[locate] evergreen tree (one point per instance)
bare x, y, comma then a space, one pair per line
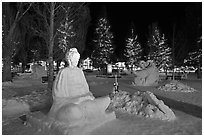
159, 50
194, 58
103, 44
133, 50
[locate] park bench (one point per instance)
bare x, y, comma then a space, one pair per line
176, 77
45, 79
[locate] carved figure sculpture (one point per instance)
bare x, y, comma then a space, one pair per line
148, 76
141, 103
73, 103
38, 71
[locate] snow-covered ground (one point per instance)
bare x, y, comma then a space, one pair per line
186, 106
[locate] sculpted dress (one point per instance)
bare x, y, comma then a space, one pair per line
73, 103
71, 83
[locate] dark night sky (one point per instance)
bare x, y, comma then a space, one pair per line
120, 15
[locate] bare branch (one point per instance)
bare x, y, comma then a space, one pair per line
55, 35
46, 5
37, 10
40, 33
16, 18
77, 9
59, 7
47, 25
25, 11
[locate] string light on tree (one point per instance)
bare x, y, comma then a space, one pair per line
159, 50
66, 32
133, 49
103, 43
195, 57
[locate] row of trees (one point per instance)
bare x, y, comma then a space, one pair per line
160, 52
52, 27
183, 46
46, 30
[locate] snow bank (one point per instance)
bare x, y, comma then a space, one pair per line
19, 81
176, 86
20, 105
13, 107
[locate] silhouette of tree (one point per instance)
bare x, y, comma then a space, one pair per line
12, 15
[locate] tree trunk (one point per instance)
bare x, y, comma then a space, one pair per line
7, 69
50, 55
23, 66
199, 72
23, 60
132, 69
58, 64
173, 48
10, 28
7, 54
166, 72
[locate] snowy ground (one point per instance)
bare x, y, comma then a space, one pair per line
186, 106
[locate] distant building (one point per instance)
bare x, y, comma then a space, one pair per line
87, 64
120, 64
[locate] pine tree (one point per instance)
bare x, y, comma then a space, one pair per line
103, 43
133, 50
159, 50
194, 58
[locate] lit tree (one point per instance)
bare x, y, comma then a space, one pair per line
193, 15
46, 24
66, 33
72, 33
194, 58
159, 50
133, 50
103, 43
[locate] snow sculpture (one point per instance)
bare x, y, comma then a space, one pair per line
73, 103
70, 81
38, 71
141, 103
148, 76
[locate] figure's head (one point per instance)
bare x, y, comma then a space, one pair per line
72, 57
